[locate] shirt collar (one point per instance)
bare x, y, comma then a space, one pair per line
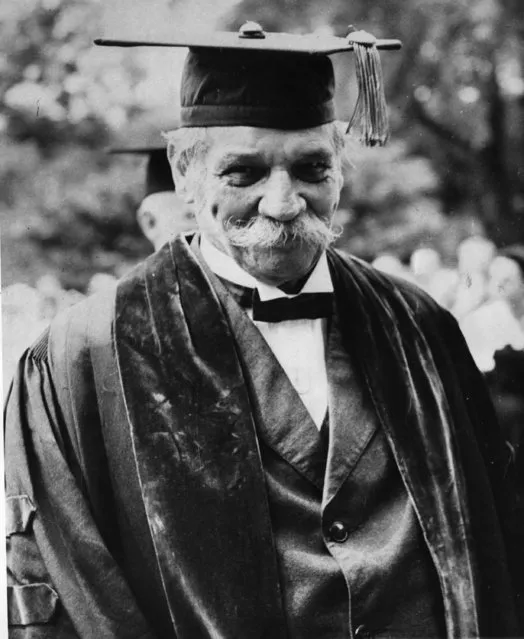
225, 266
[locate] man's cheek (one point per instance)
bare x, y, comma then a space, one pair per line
326, 204
234, 206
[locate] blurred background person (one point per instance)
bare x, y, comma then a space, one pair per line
489, 328
444, 287
54, 298
430, 274
498, 322
162, 213
494, 332
392, 265
425, 263
474, 256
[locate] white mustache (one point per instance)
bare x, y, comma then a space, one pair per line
264, 232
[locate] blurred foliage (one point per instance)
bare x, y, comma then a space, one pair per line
63, 208
55, 87
72, 216
391, 205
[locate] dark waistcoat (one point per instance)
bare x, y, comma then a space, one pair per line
350, 550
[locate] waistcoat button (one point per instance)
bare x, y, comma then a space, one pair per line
338, 532
362, 633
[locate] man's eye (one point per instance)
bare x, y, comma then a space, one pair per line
312, 171
242, 175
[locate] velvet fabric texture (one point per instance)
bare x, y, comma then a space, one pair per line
130, 429
381, 577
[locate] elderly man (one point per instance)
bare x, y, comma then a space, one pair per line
256, 436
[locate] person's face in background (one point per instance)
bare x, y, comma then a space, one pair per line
506, 280
425, 263
163, 215
475, 255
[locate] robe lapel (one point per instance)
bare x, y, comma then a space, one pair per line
407, 393
196, 451
351, 423
282, 419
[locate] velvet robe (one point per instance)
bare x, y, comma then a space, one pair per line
134, 479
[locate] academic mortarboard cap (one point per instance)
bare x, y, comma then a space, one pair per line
275, 80
158, 174
144, 137
144, 132
158, 171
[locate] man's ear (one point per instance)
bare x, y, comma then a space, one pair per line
147, 223
184, 188
182, 184
187, 196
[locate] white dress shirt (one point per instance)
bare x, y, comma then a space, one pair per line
298, 345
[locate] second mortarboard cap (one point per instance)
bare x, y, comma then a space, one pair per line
144, 137
158, 171
275, 80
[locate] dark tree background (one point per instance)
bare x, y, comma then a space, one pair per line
453, 167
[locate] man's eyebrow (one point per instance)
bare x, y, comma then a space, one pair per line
311, 153
319, 153
236, 156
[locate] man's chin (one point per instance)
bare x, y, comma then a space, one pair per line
278, 264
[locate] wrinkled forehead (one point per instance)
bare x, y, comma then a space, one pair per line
243, 140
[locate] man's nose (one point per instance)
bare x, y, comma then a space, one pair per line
281, 199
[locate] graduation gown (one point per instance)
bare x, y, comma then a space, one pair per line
135, 483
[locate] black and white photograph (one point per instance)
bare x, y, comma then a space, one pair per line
262, 303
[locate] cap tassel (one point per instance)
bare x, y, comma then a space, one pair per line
371, 111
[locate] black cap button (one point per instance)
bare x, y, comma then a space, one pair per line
251, 30
338, 532
362, 633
